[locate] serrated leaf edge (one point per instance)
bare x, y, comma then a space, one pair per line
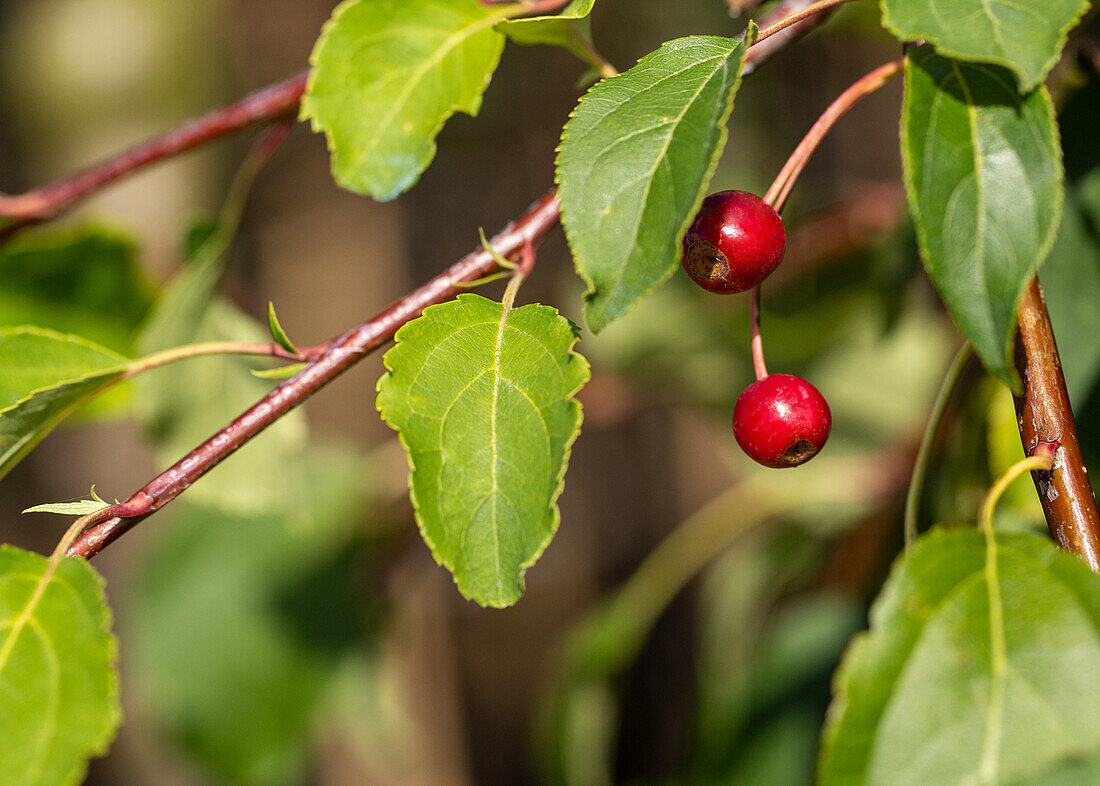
306, 111
1010, 377
567, 448
99, 746
1063, 35
857, 651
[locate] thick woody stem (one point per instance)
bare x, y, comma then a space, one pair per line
341, 354
267, 104
1046, 424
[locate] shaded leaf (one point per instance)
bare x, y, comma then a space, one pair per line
83, 281
386, 76
1071, 286
571, 29
1071, 277
635, 160
58, 687
984, 179
1023, 36
484, 404
47, 376
981, 666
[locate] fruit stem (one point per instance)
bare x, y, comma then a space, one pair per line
757, 340
793, 19
781, 188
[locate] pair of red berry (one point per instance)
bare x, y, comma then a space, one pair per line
734, 243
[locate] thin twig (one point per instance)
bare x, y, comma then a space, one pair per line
813, 9
924, 453
341, 354
48, 201
1046, 423
265, 104
762, 50
188, 351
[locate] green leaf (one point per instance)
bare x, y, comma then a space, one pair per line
386, 76
984, 179
83, 281
634, 163
1071, 277
277, 332
58, 687
483, 401
571, 29
981, 666
80, 508
280, 372
47, 376
1024, 36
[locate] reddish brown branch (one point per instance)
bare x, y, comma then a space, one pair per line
1046, 423
267, 104
342, 353
763, 51
49, 200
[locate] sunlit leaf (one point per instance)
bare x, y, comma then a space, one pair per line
46, 377
386, 76
484, 404
1024, 36
981, 666
58, 687
571, 29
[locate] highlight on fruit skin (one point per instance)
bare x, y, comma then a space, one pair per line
734, 243
781, 421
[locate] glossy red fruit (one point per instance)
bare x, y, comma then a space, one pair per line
734, 243
781, 421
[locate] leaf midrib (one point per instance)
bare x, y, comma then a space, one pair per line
723, 63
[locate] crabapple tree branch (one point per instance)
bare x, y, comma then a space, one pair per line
339, 355
50, 200
1046, 423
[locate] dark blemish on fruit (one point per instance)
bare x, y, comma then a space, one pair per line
799, 452
706, 261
